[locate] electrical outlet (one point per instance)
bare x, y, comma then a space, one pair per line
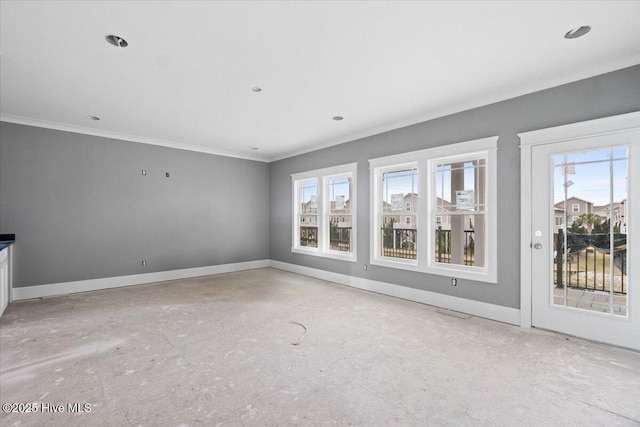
144, 262
144, 172
364, 267
454, 281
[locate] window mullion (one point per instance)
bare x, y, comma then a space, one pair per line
322, 214
424, 221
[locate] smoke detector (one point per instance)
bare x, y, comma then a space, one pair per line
116, 41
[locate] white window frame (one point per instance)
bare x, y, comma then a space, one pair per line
426, 219
378, 167
624, 123
575, 207
322, 176
488, 272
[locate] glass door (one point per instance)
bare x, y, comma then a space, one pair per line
582, 277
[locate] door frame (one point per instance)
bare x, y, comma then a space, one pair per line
629, 122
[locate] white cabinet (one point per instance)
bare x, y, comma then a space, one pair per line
4, 279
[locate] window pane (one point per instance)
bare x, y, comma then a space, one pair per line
399, 211
590, 251
460, 213
460, 186
340, 214
309, 214
457, 240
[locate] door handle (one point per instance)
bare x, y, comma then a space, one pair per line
537, 246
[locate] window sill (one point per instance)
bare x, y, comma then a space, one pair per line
404, 264
350, 257
470, 273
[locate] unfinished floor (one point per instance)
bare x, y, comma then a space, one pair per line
218, 350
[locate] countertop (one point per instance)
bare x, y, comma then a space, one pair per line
7, 240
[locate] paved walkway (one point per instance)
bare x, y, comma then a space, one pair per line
592, 300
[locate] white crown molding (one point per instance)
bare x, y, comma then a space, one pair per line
466, 148
590, 128
123, 136
471, 103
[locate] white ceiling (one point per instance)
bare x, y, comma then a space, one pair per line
185, 80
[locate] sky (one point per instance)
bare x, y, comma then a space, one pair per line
337, 187
407, 181
592, 179
401, 182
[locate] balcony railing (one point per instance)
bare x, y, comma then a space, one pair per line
589, 261
399, 242
443, 246
340, 239
309, 237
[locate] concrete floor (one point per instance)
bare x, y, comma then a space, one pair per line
217, 350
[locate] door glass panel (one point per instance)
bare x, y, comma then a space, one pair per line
590, 231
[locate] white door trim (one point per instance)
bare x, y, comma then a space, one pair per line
606, 126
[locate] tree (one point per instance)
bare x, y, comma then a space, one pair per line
602, 228
333, 229
590, 220
387, 234
577, 227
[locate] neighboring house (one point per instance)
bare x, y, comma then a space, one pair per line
577, 207
309, 214
617, 212
574, 208
559, 218
403, 216
410, 208
614, 212
343, 215
443, 221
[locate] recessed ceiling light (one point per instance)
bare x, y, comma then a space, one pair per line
96, 118
255, 148
577, 32
256, 89
116, 41
338, 118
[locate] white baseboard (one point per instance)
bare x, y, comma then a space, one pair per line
136, 279
475, 308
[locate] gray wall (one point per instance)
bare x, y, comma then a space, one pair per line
81, 208
601, 96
